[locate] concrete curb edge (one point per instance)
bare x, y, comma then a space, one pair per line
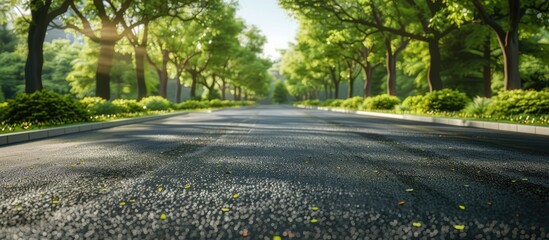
518, 128
21, 137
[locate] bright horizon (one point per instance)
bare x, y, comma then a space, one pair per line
273, 21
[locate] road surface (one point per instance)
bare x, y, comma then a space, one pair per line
269, 171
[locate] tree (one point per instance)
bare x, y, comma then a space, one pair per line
107, 22
507, 31
415, 19
43, 12
280, 93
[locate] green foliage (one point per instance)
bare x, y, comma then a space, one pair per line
445, 100
478, 106
44, 107
280, 93
412, 104
3, 107
99, 106
352, 103
215, 103
380, 102
58, 58
12, 68
128, 105
156, 103
336, 103
518, 102
190, 104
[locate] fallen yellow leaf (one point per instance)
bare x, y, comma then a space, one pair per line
459, 227
163, 216
417, 224
122, 203
314, 220
461, 207
225, 209
409, 190
314, 208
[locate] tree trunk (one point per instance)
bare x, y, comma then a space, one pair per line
335, 81
140, 53
35, 44
103, 72
390, 61
178, 87
194, 79
351, 86
433, 77
511, 59
368, 77
164, 74
223, 88
487, 72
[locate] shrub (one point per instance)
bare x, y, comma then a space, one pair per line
311, 102
518, 102
127, 105
445, 100
335, 103
190, 104
478, 106
381, 102
352, 103
412, 104
44, 107
98, 106
228, 103
216, 103
156, 103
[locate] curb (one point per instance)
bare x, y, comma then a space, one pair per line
509, 127
11, 138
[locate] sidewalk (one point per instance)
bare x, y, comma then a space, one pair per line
32, 135
519, 128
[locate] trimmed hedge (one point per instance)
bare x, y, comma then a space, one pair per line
352, 103
128, 105
156, 103
518, 102
445, 100
380, 102
44, 107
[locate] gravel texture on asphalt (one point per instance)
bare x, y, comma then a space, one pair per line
262, 172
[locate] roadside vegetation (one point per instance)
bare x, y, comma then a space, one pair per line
43, 109
516, 106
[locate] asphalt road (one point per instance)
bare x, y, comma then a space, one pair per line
271, 171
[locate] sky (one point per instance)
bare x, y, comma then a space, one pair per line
274, 22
